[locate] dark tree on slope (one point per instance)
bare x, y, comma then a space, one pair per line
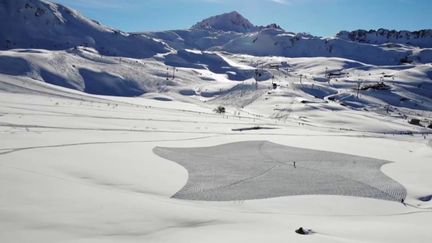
220, 109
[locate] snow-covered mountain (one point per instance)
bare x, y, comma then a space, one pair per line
421, 38
233, 33
276, 42
218, 59
46, 25
211, 33
232, 21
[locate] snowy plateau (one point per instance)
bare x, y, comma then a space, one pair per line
224, 132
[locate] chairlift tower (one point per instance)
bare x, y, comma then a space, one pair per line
256, 78
174, 71
358, 87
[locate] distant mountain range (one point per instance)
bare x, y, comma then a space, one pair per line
421, 38
46, 25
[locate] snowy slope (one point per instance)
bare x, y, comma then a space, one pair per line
229, 79
84, 69
46, 25
81, 168
202, 39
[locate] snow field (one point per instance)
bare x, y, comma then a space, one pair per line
72, 171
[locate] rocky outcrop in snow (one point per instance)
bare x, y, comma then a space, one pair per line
421, 38
232, 21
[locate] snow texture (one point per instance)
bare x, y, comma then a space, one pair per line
259, 169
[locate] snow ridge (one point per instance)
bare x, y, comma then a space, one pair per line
46, 25
420, 38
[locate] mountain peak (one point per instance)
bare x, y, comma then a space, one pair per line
232, 21
42, 24
273, 26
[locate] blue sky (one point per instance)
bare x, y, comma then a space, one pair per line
318, 17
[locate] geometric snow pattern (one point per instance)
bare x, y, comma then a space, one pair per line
261, 169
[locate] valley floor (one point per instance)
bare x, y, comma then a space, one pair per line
81, 168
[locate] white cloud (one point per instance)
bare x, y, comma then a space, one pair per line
280, 1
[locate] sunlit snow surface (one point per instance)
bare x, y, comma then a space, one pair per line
260, 169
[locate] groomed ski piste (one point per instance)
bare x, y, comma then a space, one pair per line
113, 145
